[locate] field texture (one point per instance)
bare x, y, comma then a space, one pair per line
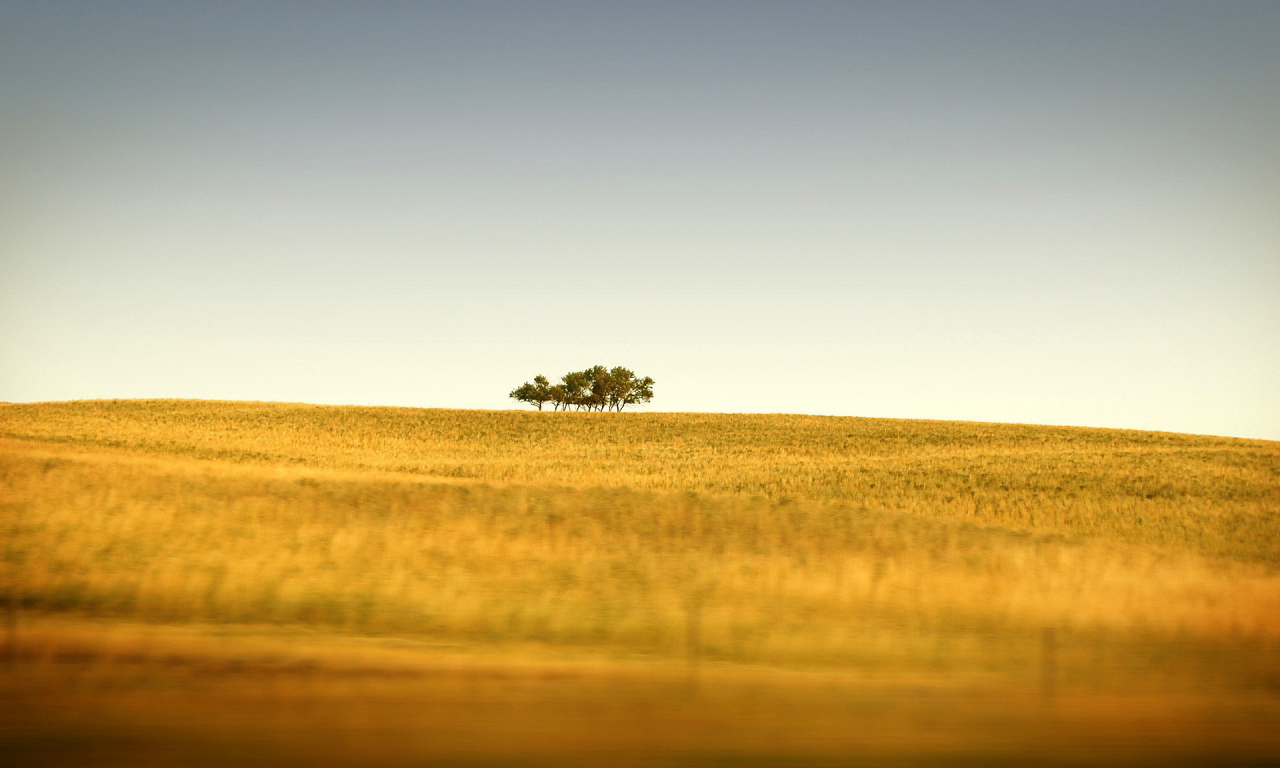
208, 582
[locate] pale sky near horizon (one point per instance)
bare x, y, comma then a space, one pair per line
1056, 213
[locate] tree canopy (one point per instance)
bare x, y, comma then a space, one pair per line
595, 389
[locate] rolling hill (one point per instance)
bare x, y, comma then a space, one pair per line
290, 582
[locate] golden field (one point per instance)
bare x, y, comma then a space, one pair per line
195, 582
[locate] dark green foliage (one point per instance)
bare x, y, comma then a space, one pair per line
537, 393
594, 389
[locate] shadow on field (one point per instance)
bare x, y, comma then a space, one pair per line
81, 693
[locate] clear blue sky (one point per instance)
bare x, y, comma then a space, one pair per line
1063, 213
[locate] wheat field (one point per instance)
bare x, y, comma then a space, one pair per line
195, 582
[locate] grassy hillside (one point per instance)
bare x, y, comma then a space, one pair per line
751, 586
1217, 496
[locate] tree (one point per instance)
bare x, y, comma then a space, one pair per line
536, 393
599, 386
626, 389
558, 397
576, 387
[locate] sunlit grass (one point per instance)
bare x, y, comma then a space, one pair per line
989, 561
1212, 495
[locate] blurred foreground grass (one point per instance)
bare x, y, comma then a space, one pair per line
219, 582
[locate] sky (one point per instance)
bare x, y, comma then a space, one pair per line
1051, 213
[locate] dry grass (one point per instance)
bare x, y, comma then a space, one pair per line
1041, 586
1211, 495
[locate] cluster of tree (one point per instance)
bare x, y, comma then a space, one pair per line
595, 389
